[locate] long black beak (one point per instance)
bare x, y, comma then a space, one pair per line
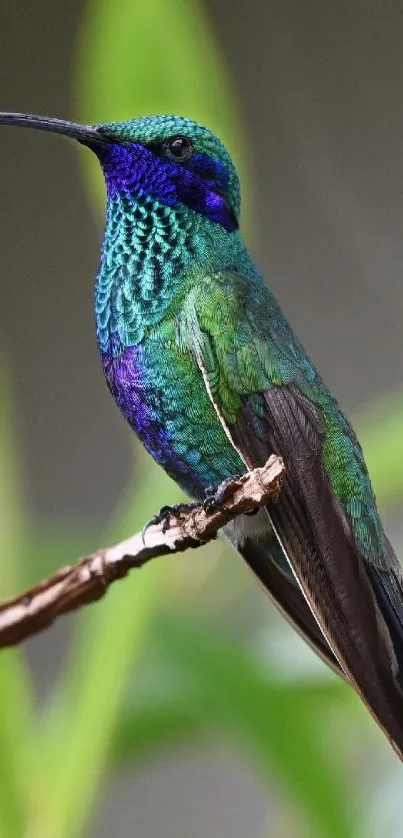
86, 134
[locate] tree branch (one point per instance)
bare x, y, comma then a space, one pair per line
89, 579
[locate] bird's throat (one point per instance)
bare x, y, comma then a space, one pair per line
146, 248
150, 254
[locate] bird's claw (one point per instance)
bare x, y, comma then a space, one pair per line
163, 517
215, 495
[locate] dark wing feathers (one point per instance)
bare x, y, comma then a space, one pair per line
364, 631
388, 588
262, 558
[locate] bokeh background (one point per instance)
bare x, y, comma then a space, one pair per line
182, 704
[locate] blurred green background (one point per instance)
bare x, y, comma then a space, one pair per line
182, 704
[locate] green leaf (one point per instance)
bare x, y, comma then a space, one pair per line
15, 685
164, 704
156, 719
278, 723
15, 756
381, 436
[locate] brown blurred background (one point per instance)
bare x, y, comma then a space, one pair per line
321, 93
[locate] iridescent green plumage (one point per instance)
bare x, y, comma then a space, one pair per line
206, 369
244, 345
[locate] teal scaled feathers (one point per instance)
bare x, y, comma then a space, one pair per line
206, 369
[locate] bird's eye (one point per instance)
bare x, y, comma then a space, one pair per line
180, 148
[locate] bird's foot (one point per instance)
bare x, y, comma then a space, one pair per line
215, 495
163, 517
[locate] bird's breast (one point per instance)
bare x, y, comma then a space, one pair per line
162, 395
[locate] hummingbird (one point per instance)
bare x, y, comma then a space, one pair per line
206, 369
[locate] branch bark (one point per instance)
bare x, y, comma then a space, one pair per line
87, 581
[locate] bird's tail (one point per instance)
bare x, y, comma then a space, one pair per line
387, 583
265, 557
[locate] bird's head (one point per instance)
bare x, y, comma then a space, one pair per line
169, 158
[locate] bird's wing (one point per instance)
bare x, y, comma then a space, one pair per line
260, 382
